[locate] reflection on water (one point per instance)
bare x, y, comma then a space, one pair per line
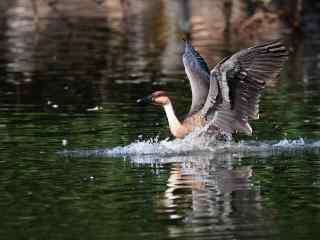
70, 74
213, 197
217, 196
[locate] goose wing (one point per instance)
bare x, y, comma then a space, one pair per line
199, 77
236, 84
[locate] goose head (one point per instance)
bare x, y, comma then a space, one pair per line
158, 98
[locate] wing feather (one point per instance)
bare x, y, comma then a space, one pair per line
198, 74
246, 74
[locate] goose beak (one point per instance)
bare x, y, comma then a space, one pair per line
145, 100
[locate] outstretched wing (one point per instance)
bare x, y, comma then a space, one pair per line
236, 84
199, 76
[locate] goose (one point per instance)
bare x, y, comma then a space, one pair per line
227, 97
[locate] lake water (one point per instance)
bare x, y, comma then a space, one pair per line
80, 160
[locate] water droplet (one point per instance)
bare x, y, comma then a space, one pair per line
96, 108
64, 142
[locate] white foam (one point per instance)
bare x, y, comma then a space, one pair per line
195, 145
290, 143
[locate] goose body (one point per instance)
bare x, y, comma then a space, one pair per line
227, 97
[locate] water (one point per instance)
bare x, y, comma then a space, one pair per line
80, 160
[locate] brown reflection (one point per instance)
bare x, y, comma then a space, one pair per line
63, 49
228, 23
213, 195
263, 25
107, 43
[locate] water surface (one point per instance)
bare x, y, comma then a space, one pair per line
80, 160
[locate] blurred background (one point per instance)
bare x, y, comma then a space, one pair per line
92, 44
70, 74
76, 55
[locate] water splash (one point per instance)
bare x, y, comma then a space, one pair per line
192, 145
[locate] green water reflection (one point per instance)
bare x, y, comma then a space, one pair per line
72, 84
